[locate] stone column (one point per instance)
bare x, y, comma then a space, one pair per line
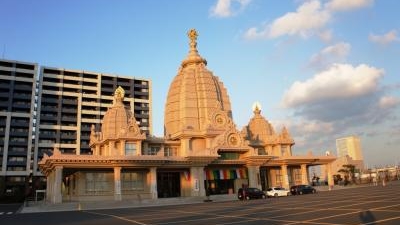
49, 188
97, 150
111, 146
117, 184
330, 175
254, 176
153, 182
197, 181
304, 174
139, 148
57, 196
285, 177
121, 149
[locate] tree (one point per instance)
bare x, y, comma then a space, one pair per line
349, 171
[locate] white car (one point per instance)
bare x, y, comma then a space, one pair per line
277, 191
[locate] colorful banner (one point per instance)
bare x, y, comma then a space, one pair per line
226, 174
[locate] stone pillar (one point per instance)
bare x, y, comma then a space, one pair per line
254, 176
57, 196
49, 188
111, 146
139, 148
330, 175
197, 181
304, 174
153, 182
97, 150
117, 184
121, 149
285, 177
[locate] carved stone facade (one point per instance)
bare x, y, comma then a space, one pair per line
201, 153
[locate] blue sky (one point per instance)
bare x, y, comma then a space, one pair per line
324, 68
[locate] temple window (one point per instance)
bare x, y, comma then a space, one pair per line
170, 151
152, 150
229, 155
278, 178
283, 150
132, 181
130, 148
261, 151
98, 183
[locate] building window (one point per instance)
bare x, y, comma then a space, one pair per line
229, 155
170, 151
132, 181
97, 183
283, 150
153, 150
297, 176
261, 151
130, 148
278, 178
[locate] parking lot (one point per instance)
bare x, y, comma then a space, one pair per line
361, 205
364, 205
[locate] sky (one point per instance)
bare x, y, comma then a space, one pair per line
325, 69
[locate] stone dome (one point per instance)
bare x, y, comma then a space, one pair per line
193, 96
259, 129
117, 117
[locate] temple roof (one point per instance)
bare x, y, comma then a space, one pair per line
194, 96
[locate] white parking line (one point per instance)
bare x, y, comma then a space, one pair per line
8, 213
1, 213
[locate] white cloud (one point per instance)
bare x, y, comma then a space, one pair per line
329, 55
388, 102
384, 39
228, 8
308, 19
338, 82
346, 5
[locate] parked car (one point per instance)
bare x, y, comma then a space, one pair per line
277, 191
250, 193
302, 189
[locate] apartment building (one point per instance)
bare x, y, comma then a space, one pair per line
17, 118
46, 108
349, 146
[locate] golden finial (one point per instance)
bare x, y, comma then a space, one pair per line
256, 107
119, 94
192, 33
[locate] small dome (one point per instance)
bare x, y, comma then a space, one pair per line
117, 117
194, 95
259, 129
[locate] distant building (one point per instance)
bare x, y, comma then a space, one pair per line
350, 146
202, 152
17, 119
55, 108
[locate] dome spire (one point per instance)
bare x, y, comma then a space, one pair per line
119, 95
193, 56
256, 108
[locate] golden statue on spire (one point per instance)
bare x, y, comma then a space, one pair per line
192, 33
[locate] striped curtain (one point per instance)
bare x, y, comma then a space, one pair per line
226, 174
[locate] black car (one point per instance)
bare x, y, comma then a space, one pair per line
250, 193
302, 189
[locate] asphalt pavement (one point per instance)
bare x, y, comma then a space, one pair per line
367, 205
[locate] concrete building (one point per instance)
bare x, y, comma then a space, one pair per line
202, 152
350, 146
17, 119
55, 108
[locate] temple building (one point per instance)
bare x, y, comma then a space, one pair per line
202, 151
